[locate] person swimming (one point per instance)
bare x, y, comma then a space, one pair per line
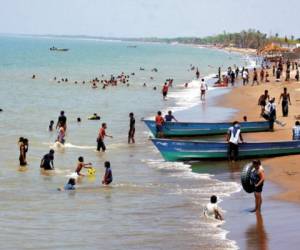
81, 165
107, 178
94, 117
70, 185
51, 125
78, 119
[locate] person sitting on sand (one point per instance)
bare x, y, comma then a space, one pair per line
94, 117
47, 161
169, 117
212, 210
107, 178
81, 165
234, 137
296, 131
257, 178
286, 101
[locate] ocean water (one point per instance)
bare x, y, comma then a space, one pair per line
152, 204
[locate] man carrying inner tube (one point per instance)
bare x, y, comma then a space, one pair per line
257, 178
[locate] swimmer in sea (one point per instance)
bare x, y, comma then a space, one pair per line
100, 139
62, 121
94, 117
51, 125
211, 209
61, 135
47, 161
107, 178
23, 150
81, 165
69, 186
78, 119
131, 128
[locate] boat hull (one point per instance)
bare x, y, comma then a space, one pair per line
177, 129
178, 150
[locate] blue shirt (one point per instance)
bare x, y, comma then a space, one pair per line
69, 187
169, 118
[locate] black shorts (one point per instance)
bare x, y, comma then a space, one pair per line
165, 94
258, 189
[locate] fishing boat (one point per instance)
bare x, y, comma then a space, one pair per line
179, 150
58, 49
177, 129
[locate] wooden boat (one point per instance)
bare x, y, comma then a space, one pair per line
179, 150
177, 129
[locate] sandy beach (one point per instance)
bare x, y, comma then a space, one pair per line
284, 170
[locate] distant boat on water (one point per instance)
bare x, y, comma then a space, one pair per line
132, 46
58, 49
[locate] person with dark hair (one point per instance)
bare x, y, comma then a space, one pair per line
165, 90
131, 131
262, 101
159, 122
51, 125
211, 209
257, 177
170, 117
296, 131
234, 137
70, 185
107, 178
62, 121
23, 150
203, 88
100, 139
81, 165
78, 119
47, 161
286, 101
255, 77
245, 119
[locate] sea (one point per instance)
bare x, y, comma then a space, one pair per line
151, 204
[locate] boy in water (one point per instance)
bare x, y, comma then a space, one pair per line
61, 135
107, 178
165, 90
211, 209
51, 125
131, 128
81, 165
62, 121
47, 161
100, 138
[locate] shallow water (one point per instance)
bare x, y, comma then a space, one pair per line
151, 204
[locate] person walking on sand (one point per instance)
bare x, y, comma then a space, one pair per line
211, 210
234, 137
255, 77
100, 139
257, 177
131, 131
107, 178
262, 74
286, 101
245, 76
165, 90
262, 101
203, 88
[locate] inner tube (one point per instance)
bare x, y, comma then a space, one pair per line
246, 178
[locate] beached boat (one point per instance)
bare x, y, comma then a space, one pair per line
179, 150
177, 129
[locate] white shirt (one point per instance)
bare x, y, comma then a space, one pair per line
268, 107
245, 74
203, 86
209, 209
234, 138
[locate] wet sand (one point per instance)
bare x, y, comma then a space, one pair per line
278, 225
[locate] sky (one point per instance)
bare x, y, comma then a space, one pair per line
148, 18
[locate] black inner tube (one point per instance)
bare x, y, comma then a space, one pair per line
248, 186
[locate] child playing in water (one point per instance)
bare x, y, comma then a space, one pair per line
107, 178
211, 209
81, 165
70, 185
51, 125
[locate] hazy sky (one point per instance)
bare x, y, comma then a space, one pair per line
140, 18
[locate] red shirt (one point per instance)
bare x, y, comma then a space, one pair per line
159, 120
102, 133
165, 88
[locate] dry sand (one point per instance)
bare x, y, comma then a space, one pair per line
283, 170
